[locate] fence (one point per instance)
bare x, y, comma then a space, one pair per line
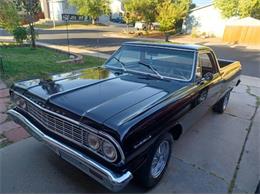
242, 34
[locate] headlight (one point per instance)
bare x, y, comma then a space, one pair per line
18, 101
93, 141
21, 103
109, 150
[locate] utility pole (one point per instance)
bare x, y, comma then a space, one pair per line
68, 40
53, 19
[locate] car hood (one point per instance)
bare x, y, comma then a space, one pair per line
100, 94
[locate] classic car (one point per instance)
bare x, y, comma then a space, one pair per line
119, 121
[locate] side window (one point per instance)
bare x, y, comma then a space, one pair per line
206, 63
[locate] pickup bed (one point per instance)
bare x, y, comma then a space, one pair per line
118, 121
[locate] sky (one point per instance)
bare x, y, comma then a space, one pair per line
201, 2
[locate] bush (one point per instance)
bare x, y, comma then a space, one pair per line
20, 34
195, 33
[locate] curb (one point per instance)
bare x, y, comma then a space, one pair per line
76, 51
77, 58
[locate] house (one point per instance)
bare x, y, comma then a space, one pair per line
53, 9
206, 19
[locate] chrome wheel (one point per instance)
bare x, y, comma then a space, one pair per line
160, 159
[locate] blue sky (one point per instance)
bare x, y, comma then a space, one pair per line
201, 2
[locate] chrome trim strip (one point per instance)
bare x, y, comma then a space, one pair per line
113, 181
88, 128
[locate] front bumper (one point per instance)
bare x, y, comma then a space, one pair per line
106, 177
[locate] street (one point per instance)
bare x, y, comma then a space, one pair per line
96, 39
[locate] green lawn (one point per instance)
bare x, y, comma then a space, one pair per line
24, 63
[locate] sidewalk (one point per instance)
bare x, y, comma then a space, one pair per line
74, 50
9, 131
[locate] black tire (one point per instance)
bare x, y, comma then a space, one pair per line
258, 189
144, 175
221, 105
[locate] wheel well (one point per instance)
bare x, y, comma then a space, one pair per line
176, 131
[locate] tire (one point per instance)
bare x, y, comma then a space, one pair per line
258, 189
221, 105
148, 176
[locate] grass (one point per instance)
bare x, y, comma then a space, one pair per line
22, 63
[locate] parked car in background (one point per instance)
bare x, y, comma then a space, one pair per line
118, 20
119, 121
140, 26
155, 26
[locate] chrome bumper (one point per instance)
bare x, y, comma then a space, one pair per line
106, 177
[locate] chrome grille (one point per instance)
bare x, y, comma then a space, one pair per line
68, 128
58, 125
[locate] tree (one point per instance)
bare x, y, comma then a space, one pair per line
228, 7
9, 18
249, 8
132, 7
170, 13
241, 8
149, 10
92, 8
31, 9
167, 16
141, 10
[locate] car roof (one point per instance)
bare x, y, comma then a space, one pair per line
169, 45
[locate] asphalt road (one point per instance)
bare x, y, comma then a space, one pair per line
96, 39
93, 39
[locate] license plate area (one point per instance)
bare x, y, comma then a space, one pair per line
74, 162
54, 149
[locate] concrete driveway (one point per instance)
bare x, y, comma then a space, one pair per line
219, 154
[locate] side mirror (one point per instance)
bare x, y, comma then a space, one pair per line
208, 76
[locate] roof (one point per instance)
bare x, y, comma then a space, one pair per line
167, 45
201, 7
248, 21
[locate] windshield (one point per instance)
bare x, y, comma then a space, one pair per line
164, 62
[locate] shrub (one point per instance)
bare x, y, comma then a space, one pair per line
20, 34
195, 33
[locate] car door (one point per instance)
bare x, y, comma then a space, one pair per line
207, 90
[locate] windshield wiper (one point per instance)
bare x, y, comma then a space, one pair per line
151, 68
120, 62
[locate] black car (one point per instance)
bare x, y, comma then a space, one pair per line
119, 121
